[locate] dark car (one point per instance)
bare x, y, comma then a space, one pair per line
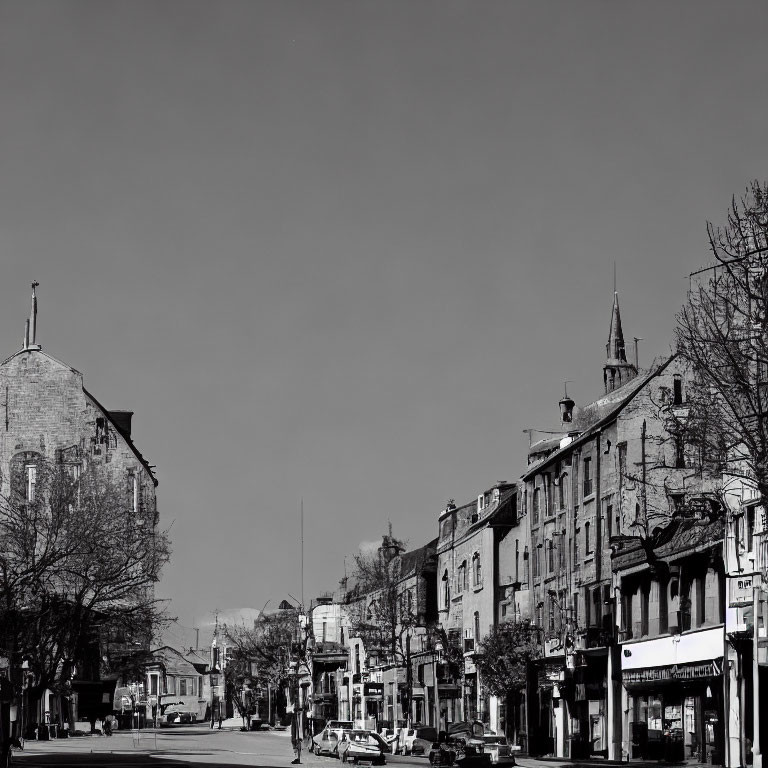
421, 741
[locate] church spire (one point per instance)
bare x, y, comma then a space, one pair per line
614, 349
616, 370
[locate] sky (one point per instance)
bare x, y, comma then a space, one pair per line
341, 254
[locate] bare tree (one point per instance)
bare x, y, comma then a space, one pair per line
382, 608
269, 653
76, 569
722, 331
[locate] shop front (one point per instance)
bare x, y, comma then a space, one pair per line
675, 698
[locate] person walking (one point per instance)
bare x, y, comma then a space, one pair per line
296, 733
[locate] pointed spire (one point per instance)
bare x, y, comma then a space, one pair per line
616, 370
615, 347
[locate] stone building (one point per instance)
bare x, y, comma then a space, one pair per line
48, 419
475, 592
616, 482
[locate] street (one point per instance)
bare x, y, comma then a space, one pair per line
189, 745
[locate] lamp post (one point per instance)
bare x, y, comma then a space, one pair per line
435, 661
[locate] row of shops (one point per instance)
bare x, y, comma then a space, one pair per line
673, 698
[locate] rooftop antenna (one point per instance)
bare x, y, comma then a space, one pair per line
302, 553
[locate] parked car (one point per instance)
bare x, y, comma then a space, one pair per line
497, 747
418, 741
177, 714
327, 741
362, 745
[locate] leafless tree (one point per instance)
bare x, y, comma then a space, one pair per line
382, 608
722, 331
76, 570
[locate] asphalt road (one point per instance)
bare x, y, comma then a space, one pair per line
174, 747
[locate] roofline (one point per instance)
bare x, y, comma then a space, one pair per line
128, 440
598, 425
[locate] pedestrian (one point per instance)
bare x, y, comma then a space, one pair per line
296, 734
108, 725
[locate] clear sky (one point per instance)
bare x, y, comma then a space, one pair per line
348, 251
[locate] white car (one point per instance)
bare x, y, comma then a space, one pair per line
327, 741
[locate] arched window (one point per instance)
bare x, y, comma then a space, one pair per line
477, 576
462, 581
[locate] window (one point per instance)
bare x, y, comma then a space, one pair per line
663, 609
576, 548
644, 608
31, 474
477, 576
561, 551
153, 685
133, 490
587, 476
171, 684
536, 504
551, 555
446, 590
551, 614
609, 519
183, 686
679, 451
462, 583
536, 561
677, 385
575, 602
563, 491
587, 542
622, 465
477, 627
749, 519
550, 502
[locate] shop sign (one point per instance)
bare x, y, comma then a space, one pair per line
740, 590
675, 672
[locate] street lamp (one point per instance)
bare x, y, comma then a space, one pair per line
435, 660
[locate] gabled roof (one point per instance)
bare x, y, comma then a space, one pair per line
590, 419
122, 434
